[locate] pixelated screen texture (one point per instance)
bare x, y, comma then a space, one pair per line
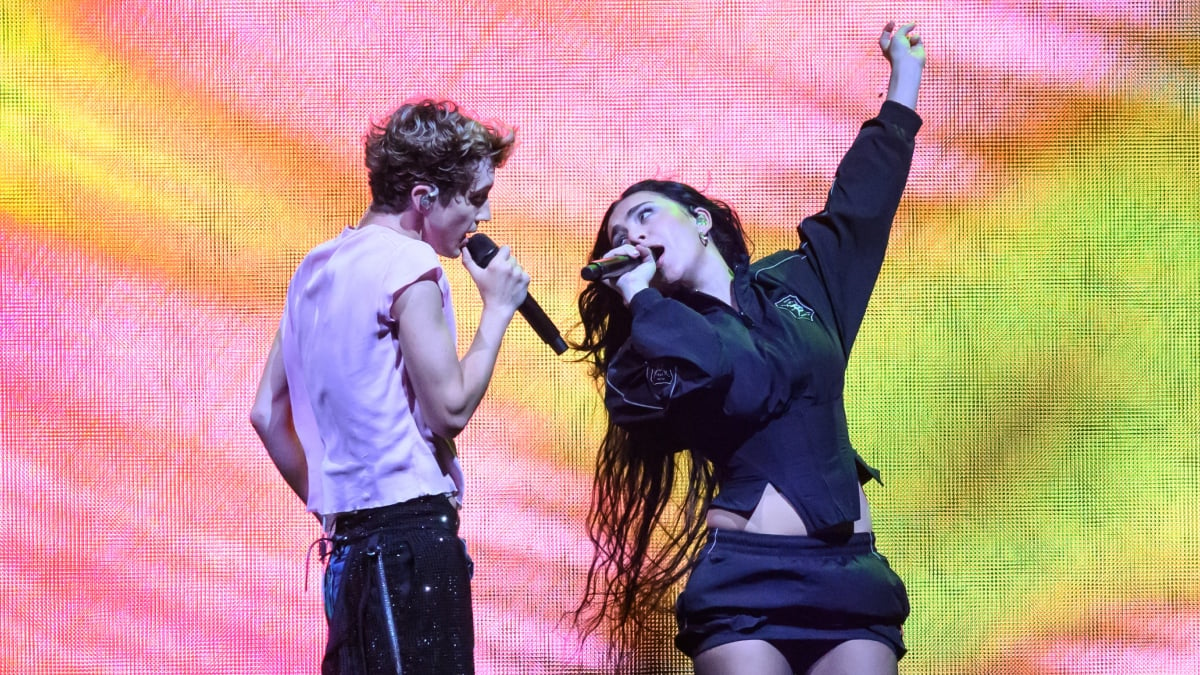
1026, 377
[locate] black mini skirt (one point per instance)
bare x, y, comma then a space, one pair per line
791, 591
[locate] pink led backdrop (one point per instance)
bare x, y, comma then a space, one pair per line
1027, 379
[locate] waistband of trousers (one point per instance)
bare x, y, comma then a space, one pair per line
428, 512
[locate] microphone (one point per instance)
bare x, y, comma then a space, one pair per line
482, 250
613, 266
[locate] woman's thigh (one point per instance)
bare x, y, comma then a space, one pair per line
865, 657
743, 656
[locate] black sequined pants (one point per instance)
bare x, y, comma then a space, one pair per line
398, 592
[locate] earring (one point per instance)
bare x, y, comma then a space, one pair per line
704, 238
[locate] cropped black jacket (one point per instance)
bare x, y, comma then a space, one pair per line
758, 390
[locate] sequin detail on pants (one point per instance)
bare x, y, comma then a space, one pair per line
409, 553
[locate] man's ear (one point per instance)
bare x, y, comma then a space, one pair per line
422, 196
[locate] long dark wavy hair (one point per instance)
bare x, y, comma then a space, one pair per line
642, 548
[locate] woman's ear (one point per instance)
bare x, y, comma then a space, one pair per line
703, 220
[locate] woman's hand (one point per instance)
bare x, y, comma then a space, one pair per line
637, 279
906, 52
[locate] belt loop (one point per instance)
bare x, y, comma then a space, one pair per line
323, 554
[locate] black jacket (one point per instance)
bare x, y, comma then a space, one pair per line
759, 391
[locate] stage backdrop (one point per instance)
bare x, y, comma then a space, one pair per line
1026, 378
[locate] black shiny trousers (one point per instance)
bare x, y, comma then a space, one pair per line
398, 593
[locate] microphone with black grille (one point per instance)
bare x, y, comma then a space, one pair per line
482, 249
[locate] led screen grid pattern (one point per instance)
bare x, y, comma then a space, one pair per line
1026, 378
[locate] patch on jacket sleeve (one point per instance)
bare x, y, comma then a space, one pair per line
792, 305
661, 379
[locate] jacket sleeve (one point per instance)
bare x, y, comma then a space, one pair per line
677, 363
847, 240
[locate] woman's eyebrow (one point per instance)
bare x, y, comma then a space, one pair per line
614, 228
635, 207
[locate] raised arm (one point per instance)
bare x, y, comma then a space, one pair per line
905, 51
845, 243
271, 417
448, 388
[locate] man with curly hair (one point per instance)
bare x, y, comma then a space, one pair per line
363, 392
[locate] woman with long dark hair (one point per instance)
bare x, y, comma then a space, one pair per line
729, 376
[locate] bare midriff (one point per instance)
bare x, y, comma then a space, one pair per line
774, 515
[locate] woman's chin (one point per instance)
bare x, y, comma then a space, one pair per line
664, 285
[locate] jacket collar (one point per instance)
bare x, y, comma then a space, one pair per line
750, 304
